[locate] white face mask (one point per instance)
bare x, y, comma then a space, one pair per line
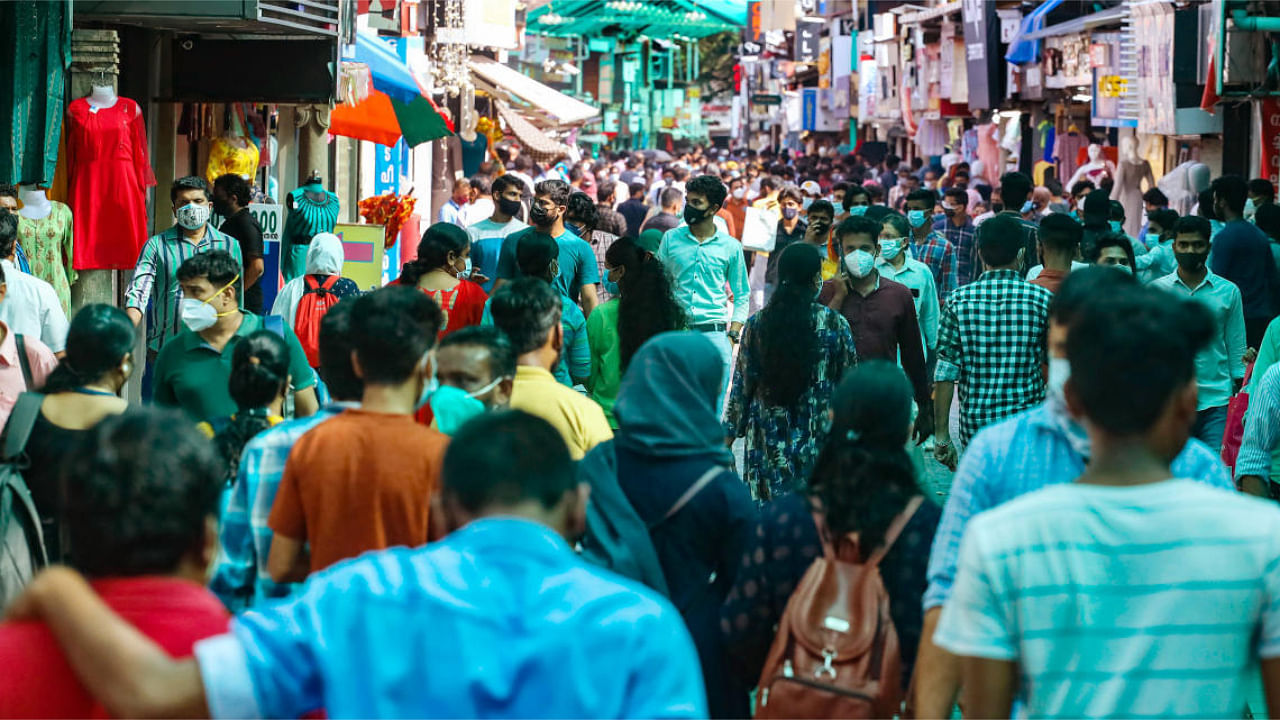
859, 263
465, 272
199, 315
192, 216
738, 193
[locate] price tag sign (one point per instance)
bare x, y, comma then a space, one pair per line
270, 218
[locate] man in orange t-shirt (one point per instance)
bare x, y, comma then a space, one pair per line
366, 479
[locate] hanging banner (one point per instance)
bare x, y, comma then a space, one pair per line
807, 45
1270, 145
809, 109
842, 50
981, 32
946, 59
753, 32
1153, 35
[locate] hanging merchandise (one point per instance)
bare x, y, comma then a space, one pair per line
108, 172
312, 210
35, 44
232, 152
390, 211
49, 245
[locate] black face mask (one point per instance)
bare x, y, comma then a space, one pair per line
997, 207
509, 207
539, 216
1191, 262
693, 216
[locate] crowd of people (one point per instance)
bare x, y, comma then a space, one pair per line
592, 456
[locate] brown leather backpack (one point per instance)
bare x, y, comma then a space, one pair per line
836, 651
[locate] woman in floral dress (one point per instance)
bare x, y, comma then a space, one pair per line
793, 354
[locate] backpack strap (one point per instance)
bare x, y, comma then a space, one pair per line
689, 494
895, 529
329, 282
21, 420
17, 488
24, 361
310, 282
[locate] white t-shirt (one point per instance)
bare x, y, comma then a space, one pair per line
1146, 601
31, 308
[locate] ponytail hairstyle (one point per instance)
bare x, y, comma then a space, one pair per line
259, 374
438, 241
647, 306
864, 476
787, 335
99, 338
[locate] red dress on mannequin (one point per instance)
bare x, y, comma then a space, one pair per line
108, 171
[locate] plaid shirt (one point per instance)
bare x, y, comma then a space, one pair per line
964, 240
600, 242
240, 577
940, 255
991, 343
154, 288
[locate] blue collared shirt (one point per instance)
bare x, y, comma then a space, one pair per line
1261, 426
240, 578
1222, 360
1027, 452
699, 272
499, 619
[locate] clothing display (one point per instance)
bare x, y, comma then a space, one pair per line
1128, 191
48, 242
473, 154
234, 155
312, 210
35, 50
109, 171
989, 150
1065, 149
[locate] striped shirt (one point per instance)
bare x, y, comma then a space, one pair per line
1261, 427
154, 288
1144, 601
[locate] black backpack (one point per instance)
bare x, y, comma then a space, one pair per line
22, 548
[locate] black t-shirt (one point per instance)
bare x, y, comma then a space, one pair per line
245, 229
784, 239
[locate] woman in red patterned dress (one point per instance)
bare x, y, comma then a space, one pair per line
443, 271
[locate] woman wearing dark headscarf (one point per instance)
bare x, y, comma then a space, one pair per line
671, 457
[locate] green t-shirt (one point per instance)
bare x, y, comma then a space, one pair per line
191, 375
606, 358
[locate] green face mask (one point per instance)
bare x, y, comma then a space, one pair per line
453, 407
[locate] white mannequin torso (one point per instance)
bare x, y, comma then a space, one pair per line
35, 204
101, 97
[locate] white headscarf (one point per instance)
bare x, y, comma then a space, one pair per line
324, 257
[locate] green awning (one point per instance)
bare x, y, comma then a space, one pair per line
662, 19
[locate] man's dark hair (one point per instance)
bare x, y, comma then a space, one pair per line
999, 240
526, 310
1081, 186
1059, 232
557, 190
1193, 224
234, 186
1014, 189
1111, 239
1116, 211
1053, 186
1263, 188
502, 182
581, 209
958, 195
8, 233
766, 184
1084, 286
858, 225
822, 206
670, 197
841, 186
891, 161
502, 356
1268, 220
1233, 190
523, 164
635, 188
218, 266
1096, 208
1166, 219
190, 182
335, 353
1155, 197
710, 187
8, 190
504, 458
391, 329
140, 487
604, 193
480, 184
534, 253
853, 192
791, 192
929, 197
1123, 330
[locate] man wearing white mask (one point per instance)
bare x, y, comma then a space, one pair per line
881, 312
154, 291
193, 369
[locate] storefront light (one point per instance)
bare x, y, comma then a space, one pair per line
1082, 98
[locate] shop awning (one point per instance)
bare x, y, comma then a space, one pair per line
564, 109
651, 18
535, 142
391, 75
932, 13
1110, 16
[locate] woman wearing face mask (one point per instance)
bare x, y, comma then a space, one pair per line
258, 384
80, 392
643, 306
442, 271
792, 355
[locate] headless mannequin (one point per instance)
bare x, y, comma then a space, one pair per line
101, 97
35, 204
1130, 175
1095, 168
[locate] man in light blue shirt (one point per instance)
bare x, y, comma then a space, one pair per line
240, 578
455, 210
1035, 449
895, 262
702, 260
1220, 366
499, 619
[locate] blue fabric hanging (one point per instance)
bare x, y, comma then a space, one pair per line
1025, 51
390, 74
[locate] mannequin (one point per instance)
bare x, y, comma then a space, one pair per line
1097, 167
101, 97
1130, 175
35, 204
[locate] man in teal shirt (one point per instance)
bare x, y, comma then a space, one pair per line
579, 273
194, 367
702, 260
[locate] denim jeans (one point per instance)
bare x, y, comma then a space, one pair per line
1210, 426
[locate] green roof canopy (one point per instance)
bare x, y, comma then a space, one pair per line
662, 19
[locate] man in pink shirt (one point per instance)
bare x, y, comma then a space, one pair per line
18, 374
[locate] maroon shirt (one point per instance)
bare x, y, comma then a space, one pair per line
884, 324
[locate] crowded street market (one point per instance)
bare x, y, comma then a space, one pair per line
955, 391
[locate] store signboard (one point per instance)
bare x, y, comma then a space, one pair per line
1270, 161
1153, 35
362, 253
868, 76
842, 50
809, 109
1110, 85
753, 32
270, 218
982, 53
807, 46
946, 59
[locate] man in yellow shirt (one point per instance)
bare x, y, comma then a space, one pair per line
528, 311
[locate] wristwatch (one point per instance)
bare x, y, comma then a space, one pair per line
734, 335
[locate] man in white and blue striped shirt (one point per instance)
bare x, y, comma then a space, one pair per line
1129, 592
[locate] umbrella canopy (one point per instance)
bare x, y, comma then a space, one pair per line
657, 155
384, 120
390, 74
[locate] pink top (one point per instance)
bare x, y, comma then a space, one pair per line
12, 383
